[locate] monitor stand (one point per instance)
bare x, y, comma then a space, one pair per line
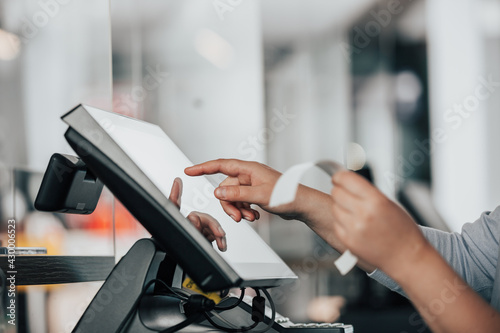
116, 308
119, 307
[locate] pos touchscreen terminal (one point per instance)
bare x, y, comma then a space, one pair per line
138, 162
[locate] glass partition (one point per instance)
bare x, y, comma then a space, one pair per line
194, 70
53, 56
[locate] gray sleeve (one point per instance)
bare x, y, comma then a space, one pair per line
473, 253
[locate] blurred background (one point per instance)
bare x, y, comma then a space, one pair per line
405, 91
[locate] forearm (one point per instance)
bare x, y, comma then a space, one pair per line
473, 254
313, 207
444, 300
379, 231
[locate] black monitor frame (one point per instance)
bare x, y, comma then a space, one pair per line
174, 233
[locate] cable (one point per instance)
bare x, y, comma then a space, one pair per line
256, 322
134, 307
235, 304
200, 306
194, 308
273, 312
172, 290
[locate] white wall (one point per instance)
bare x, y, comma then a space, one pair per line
376, 130
211, 104
65, 60
463, 183
312, 85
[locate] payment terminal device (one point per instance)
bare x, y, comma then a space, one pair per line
138, 162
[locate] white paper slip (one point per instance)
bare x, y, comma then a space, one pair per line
346, 262
286, 187
285, 190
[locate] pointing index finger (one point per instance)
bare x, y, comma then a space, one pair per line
229, 167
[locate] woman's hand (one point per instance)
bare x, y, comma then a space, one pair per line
372, 226
206, 224
247, 183
252, 183
383, 234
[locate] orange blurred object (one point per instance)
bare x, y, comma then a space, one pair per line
101, 220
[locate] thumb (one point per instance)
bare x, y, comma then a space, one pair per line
176, 192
